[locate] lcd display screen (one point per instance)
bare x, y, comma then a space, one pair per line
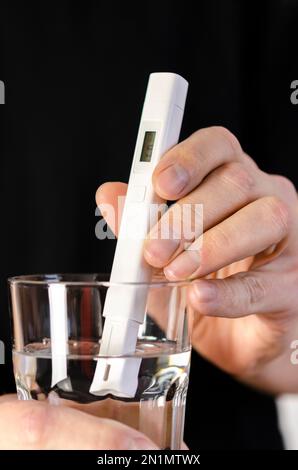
147, 148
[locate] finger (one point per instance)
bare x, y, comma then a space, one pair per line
110, 199
222, 193
245, 293
184, 166
33, 425
248, 232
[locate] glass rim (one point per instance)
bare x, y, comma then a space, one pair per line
61, 278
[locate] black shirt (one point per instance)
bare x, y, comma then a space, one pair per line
75, 79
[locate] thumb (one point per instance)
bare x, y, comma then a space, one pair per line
110, 200
35, 425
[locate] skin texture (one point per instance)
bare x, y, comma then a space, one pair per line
245, 272
35, 425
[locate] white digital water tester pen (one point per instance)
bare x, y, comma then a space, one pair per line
125, 306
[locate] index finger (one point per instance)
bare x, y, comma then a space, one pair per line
184, 166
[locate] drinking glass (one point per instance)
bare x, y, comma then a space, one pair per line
57, 325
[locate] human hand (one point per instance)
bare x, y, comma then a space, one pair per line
35, 425
245, 271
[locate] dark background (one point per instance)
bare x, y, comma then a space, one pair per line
75, 79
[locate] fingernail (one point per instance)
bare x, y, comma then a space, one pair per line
159, 252
172, 180
205, 291
141, 444
184, 266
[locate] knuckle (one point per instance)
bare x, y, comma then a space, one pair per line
287, 187
187, 219
229, 297
239, 176
249, 161
213, 242
206, 308
229, 139
255, 289
190, 150
279, 215
220, 238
